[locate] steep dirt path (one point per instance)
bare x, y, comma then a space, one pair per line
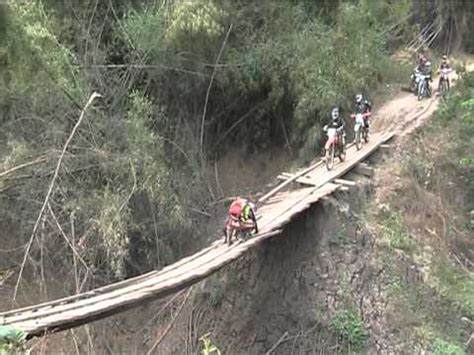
405, 113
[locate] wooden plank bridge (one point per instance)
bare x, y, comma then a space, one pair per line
278, 207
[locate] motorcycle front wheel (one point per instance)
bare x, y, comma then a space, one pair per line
444, 88
420, 92
358, 139
329, 159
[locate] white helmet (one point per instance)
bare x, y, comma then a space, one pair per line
335, 113
358, 98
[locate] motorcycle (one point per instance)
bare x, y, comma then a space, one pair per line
444, 81
423, 87
360, 130
334, 146
234, 228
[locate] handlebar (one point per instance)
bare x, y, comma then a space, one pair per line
367, 114
449, 70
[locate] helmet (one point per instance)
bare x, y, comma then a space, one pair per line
428, 64
445, 57
335, 113
358, 98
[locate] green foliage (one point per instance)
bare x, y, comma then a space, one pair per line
456, 286
12, 340
278, 55
457, 114
194, 18
442, 347
37, 57
470, 43
213, 290
339, 237
349, 327
146, 29
397, 234
216, 295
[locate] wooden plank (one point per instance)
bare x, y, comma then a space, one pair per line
76, 318
110, 287
345, 182
287, 182
353, 157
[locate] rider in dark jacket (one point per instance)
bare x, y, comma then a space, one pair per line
363, 105
337, 122
424, 68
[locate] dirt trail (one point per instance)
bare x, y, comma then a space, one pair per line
405, 113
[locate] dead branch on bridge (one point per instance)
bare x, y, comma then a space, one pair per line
50, 191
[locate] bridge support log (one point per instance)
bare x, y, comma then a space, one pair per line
345, 182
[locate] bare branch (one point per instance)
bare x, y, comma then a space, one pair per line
50, 190
139, 66
170, 325
203, 120
22, 166
75, 252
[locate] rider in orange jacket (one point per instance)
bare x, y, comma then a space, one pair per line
244, 210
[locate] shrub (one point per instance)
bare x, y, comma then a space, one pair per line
349, 327
442, 347
12, 340
397, 234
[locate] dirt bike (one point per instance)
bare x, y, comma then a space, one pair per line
360, 130
334, 146
234, 228
444, 81
423, 87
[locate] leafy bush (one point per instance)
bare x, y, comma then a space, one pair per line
442, 347
397, 234
291, 61
457, 114
12, 340
349, 327
456, 286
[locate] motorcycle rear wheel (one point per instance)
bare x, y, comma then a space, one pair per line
341, 151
